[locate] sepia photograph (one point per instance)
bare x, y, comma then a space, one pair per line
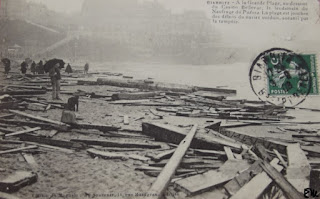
161, 99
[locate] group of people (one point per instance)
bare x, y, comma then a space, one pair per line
34, 68
39, 68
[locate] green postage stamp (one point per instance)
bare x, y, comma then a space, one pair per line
281, 76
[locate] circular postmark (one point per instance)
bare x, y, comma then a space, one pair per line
281, 77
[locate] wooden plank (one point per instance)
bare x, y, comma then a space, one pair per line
183, 162
17, 180
47, 126
204, 182
255, 187
234, 185
126, 120
23, 92
31, 161
52, 133
229, 153
251, 140
133, 96
109, 143
22, 132
18, 149
110, 155
129, 101
101, 127
298, 170
279, 156
172, 134
53, 142
285, 186
163, 155
160, 185
38, 118
155, 113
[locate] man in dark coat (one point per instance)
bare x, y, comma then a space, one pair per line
40, 68
24, 66
33, 67
6, 62
68, 69
55, 76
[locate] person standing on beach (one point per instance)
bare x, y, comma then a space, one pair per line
24, 66
33, 67
68, 69
86, 68
6, 62
40, 68
55, 76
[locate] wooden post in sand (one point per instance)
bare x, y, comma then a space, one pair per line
163, 180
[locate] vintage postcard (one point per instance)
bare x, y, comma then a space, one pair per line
201, 99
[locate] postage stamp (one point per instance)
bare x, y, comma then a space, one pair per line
282, 77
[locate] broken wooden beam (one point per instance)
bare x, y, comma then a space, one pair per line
160, 185
154, 86
204, 182
53, 142
38, 118
133, 96
18, 149
109, 143
172, 134
289, 190
46, 126
234, 185
30, 160
17, 180
23, 131
257, 184
163, 155
101, 127
23, 92
110, 155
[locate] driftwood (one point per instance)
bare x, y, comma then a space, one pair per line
158, 86
289, 190
52, 142
257, 184
18, 149
101, 127
22, 132
23, 92
172, 134
133, 96
108, 143
46, 126
160, 185
234, 185
38, 118
17, 180
200, 183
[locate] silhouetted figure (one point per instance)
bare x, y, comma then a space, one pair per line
33, 67
40, 68
6, 62
68, 69
86, 68
23, 68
